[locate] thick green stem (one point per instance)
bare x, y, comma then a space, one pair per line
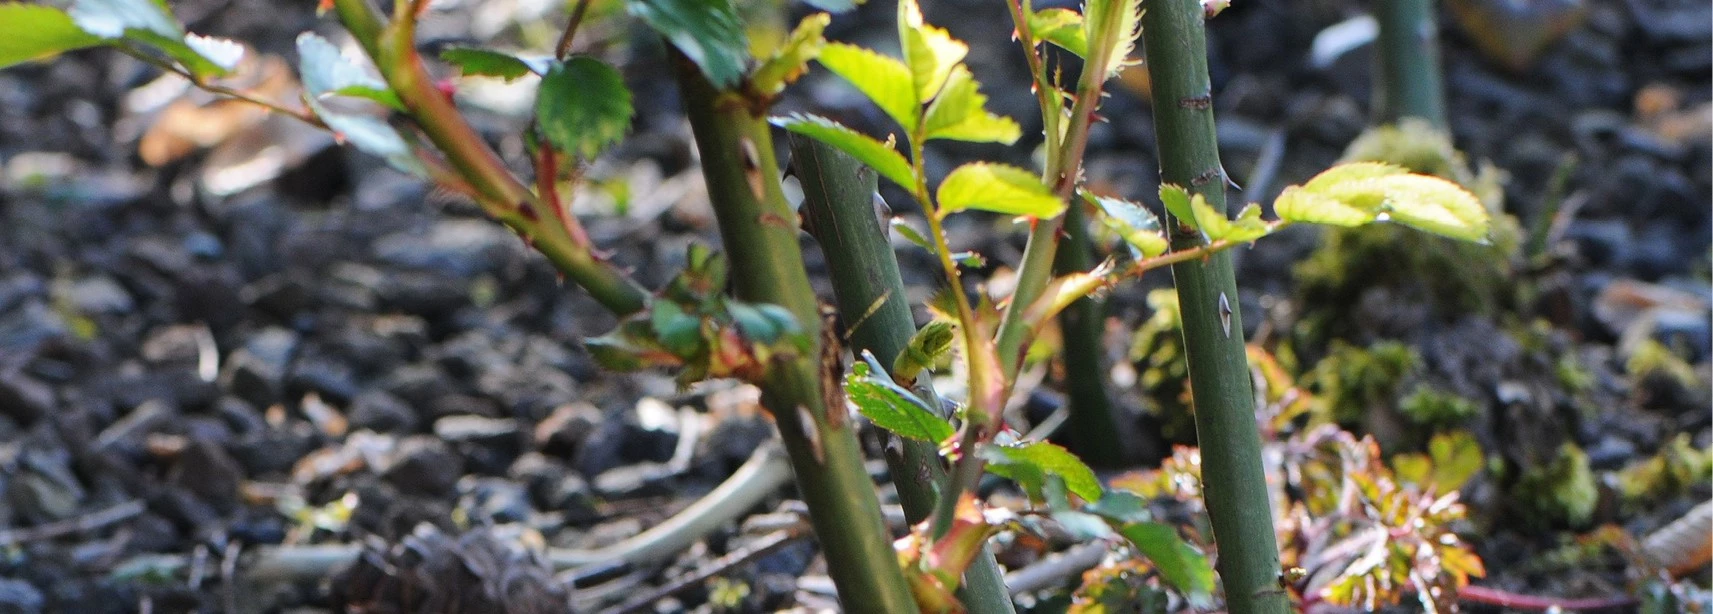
838, 210
1407, 78
759, 232
1094, 431
1235, 482
555, 234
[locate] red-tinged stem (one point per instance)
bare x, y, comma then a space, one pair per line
499, 192
1506, 599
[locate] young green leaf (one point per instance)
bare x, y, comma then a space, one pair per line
1177, 201
1428, 203
763, 323
35, 32
904, 229
326, 72
925, 349
706, 31
884, 80
583, 106
1111, 28
893, 408
1391, 193
879, 156
1184, 567
1029, 464
679, 332
999, 188
1062, 27
792, 58
478, 62
373, 137
1136, 225
960, 113
1298, 204
150, 22
929, 51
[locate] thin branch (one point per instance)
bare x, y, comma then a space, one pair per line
565, 38
302, 115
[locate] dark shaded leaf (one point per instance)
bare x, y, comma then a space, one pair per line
1184, 567
706, 31
583, 106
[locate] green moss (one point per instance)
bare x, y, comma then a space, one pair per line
1449, 277
1427, 406
1561, 492
1678, 466
1652, 358
1353, 381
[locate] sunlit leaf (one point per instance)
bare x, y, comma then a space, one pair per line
960, 113
1125, 17
1177, 202
151, 22
894, 408
326, 72
583, 106
1184, 567
477, 62
34, 32
1029, 464
1296, 204
373, 137
1421, 201
1136, 225
879, 156
930, 52
708, 32
222, 52
791, 59
999, 188
884, 80
114, 18
1062, 27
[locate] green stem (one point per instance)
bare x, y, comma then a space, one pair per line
1407, 79
555, 234
838, 211
759, 231
1065, 170
1094, 431
1236, 485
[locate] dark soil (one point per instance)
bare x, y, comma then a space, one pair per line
341, 355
